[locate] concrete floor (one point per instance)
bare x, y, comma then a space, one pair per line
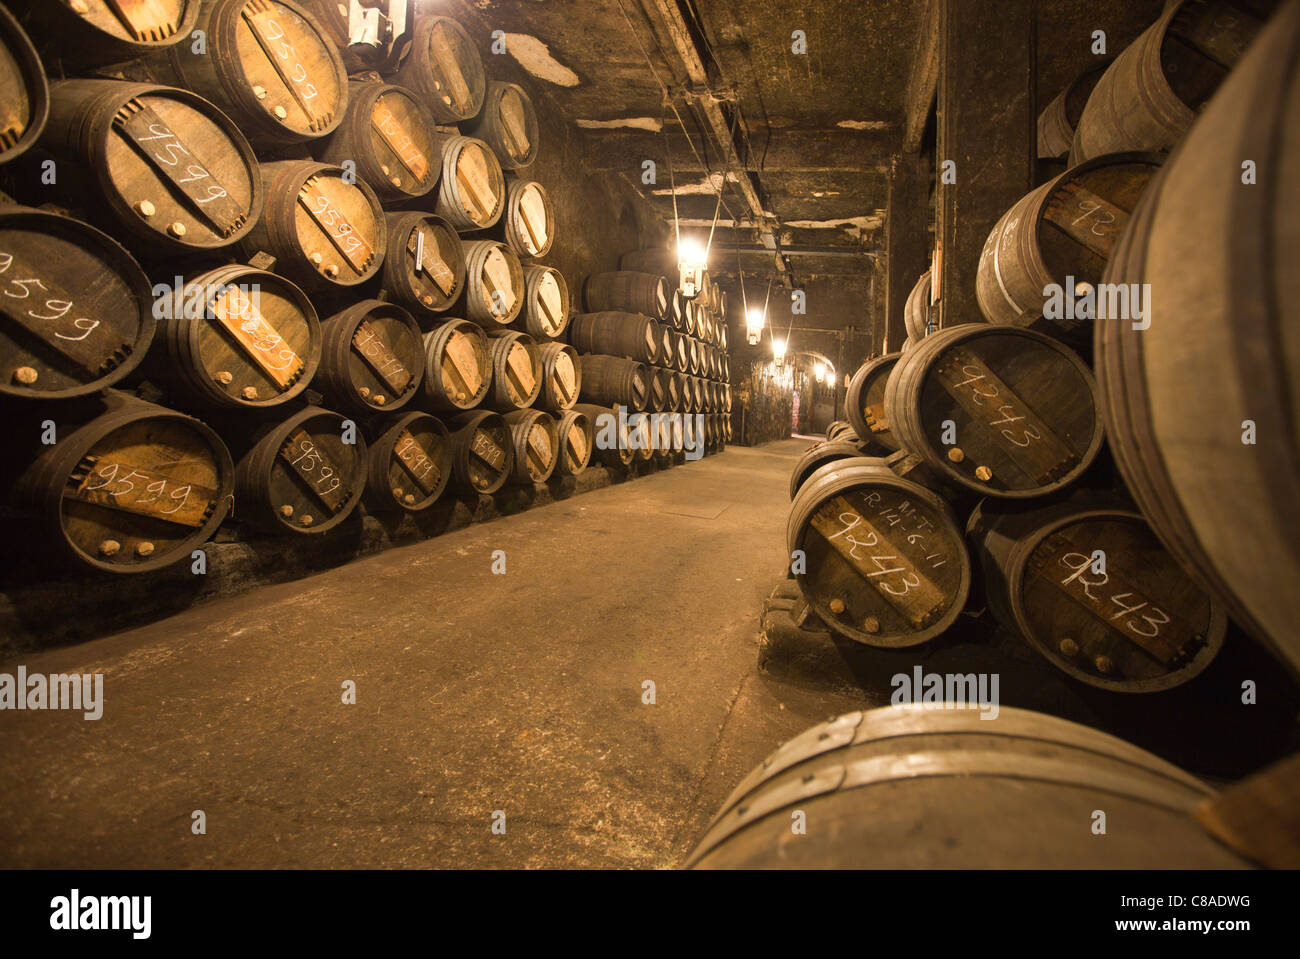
474, 693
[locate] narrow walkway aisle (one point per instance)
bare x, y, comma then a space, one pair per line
474, 693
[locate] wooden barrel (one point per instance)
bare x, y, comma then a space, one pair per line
237, 337
483, 451
424, 269
865, 401
1057, 121
885, 561
680, 358
614, 333
528, 224
408, 462
1089, 586
98, 32
270, 65
508, 124
613, 380
691, 318
372, 358
24, 91
640, 436
697, 384
1014, 789
818, 455
129, 487
1153, 91
658, 397
1201, 407
609, 438
837, 429
78, 314
494, 283
673, 385
472, 193
545, 313
173, 171
677, 311
656, 260
389, 134
444, 65
457, 367
577, 439
916, 311
644, 293
689, 403
516, 370
299, 476
1064, 229
561, 377
537, 445
324, 232
1002, 410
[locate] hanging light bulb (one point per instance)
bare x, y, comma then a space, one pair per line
778, 351
690, 265
819, 371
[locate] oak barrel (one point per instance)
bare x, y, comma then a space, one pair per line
458, 369
1089, 586
817, 456
389, 134
613, 380
494, 283
324, 231
77, 311
444, 66
24, 91
545, 314
483, 453
537, 441
424, 269
270, 65
372, 358
508, 124
516, 370
1002, 410
1057, 121
93, 33
609, 436
170, 168
615, 333
297, 475
472, 193
1157, 85
528, 223
577, 438
408, 462
561, 377
237, 337
644, 293
884, 559
1059, 234
1017, 791
128, 487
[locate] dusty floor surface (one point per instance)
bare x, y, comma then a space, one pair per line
475, 693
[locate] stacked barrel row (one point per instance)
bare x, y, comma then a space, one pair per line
1131, 296
264, 282
656, 357
1127, 581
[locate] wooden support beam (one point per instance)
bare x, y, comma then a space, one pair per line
987, 130
923, 81
907, 244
